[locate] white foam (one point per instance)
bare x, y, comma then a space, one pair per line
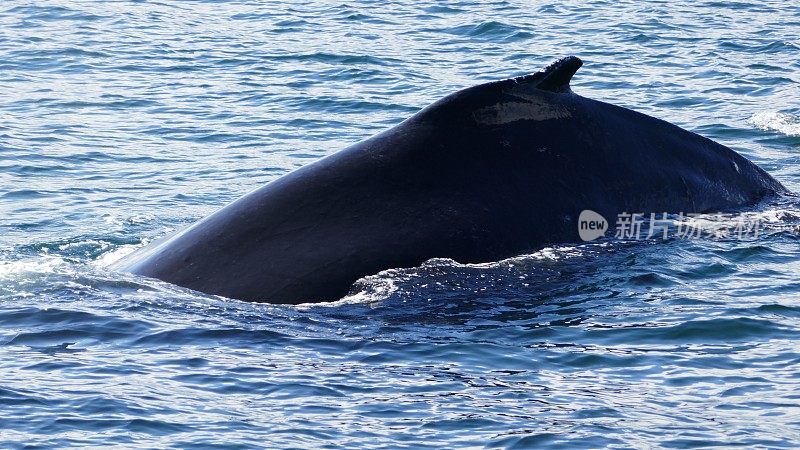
41, 265
784, 123
372, 289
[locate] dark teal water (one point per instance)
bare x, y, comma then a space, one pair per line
121, 121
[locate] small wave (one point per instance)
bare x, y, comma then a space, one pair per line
51, 13
24, 194
490, 30
784, 123
717, 330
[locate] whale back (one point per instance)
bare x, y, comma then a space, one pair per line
485, 173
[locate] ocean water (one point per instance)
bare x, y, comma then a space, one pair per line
123, 121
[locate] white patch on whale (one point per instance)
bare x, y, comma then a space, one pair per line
507, 112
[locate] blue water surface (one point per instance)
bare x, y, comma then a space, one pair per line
123, 121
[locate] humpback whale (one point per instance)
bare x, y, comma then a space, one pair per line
486, 173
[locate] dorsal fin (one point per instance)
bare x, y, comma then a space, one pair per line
556, 76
